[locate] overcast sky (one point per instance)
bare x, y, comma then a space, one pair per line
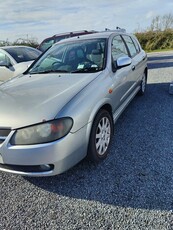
43, 18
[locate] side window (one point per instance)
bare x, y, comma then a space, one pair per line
118, 48
136, 45
130, 45
59, 53
46, 44
4, 60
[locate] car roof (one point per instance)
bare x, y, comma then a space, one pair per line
6, 47
72, 33
75, 32
102, 34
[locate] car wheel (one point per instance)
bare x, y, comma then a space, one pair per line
101, 135
143, 84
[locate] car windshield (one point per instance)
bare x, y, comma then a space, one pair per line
46, 44
23, 54
73, 57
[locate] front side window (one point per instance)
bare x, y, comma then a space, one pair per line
130, 45
73, 57
118, 48
4, 60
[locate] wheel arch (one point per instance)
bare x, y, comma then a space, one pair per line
102, 106
92, 152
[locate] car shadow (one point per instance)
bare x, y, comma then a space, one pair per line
155, 62
138, 172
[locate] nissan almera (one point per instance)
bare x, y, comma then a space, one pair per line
63, 108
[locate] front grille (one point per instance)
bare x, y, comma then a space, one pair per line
3, 134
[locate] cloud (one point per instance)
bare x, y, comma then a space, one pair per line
45, 18
150, 15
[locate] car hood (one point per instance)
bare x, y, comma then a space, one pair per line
21, 67
31, 99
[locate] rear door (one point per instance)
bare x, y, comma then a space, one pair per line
137, 58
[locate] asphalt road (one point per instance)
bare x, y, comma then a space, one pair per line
131, 189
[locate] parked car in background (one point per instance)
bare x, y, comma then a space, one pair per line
48, 42
65, 105
15, 60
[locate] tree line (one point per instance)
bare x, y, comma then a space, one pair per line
159, 35
32, 42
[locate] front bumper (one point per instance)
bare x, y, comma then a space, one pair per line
36, 170
43, 159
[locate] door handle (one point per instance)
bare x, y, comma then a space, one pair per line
133, 67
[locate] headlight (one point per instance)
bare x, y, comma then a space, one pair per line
43, 132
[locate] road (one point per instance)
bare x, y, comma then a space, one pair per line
131, 189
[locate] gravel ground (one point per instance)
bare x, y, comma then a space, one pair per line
131, 189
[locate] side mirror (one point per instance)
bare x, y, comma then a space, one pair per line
6, 65
123, 61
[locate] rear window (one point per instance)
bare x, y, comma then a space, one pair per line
23, 54
59, 38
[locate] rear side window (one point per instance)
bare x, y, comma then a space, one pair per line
136, 45
130, 45
118, 48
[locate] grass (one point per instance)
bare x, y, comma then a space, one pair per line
158, 50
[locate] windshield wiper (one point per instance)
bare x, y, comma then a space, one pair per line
50, 71
86, 70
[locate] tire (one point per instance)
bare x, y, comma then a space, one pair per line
143, 84
100, 137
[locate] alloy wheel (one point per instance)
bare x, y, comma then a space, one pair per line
103, 135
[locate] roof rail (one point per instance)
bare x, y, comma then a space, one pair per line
118, 29
75, 32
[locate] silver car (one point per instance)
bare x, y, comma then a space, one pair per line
63, 108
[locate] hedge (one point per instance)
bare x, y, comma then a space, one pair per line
154, 40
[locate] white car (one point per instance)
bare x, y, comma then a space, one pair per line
15, 60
